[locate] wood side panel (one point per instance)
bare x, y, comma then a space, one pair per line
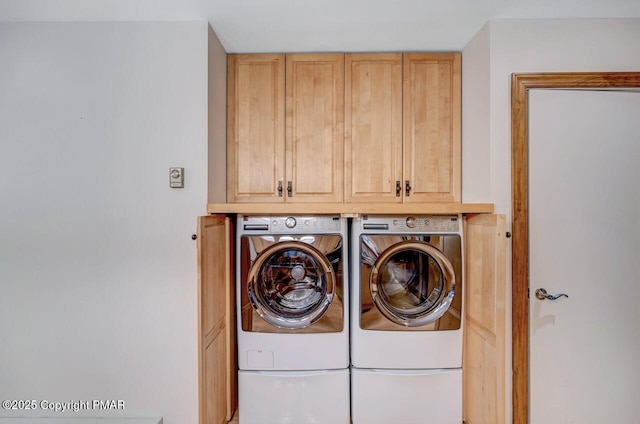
216, 332
520, 85
483, 364
212, 273
431, 126
215, 411
315, 132
373, 127
480, 379
256, 132
230, 321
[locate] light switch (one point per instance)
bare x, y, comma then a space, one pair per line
176, 177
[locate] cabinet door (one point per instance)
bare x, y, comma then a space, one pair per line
255, 128
315, 133
431, 126
483, 363
216, 329
373, 127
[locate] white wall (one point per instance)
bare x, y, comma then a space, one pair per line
97, 266
476, 160
525, 46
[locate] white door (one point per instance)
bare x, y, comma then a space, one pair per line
584, 155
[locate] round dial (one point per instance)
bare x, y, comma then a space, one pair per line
411, 222
290, 222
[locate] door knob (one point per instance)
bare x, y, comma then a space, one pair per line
542, 295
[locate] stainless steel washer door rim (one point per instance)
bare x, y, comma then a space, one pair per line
291, 285
412, 283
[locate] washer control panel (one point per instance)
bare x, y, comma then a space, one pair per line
413, 223
291, 224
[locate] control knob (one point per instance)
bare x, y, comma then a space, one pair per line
290, 222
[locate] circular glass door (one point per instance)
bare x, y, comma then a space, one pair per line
412, 283
291, 285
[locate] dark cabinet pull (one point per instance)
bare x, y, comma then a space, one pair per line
279, 188
289, 188
407, 188
398, 188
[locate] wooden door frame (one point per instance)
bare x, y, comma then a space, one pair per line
520, 86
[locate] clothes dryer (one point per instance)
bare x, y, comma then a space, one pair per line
407, 311
293, 326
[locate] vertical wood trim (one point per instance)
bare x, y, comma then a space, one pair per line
347, 171
456, 127
230, 320
201, 376
232, 131
520, 85
520, 251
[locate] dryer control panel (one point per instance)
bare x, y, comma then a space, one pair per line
412, 224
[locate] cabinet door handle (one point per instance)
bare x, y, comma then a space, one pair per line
398, 188
407, 188
289, 188
279, 188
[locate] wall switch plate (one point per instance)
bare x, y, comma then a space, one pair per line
176, 177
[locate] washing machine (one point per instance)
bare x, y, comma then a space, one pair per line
293, 319
407, 312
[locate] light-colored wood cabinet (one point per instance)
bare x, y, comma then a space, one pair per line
402, 120
285, 128
255, 128
483, 361
216, 330
373, 128
432, 127
328, 128
314, 122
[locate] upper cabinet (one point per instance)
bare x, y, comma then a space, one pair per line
432, 127
255, 129
315, 129
285, 128
402, 120
334, 128
373, 122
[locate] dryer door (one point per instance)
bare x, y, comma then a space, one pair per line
291, 284
412, 283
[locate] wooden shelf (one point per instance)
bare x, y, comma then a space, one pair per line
350, 209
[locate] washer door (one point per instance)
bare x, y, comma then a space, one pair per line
291, 285
412, 283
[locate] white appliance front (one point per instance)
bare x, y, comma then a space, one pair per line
291, 294
294, 397
263, 351
406, 396
406, 350
406, 297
